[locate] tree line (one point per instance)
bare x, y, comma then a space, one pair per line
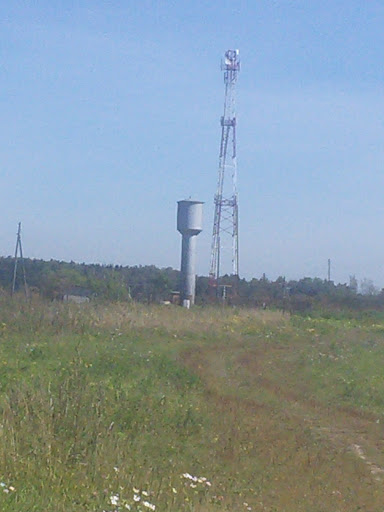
53, 279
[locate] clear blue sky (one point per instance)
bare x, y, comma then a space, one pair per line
110, 114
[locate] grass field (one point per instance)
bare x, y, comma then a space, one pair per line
132, 407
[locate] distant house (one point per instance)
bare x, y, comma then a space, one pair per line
77, 295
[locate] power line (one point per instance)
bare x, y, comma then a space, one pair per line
19, 255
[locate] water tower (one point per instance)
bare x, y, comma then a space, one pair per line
189, 224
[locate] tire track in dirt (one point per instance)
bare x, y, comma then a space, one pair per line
345, 428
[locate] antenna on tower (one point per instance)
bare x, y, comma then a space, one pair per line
19, 254
226, 216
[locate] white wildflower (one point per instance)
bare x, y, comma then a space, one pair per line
114, 499
197, 479
136, 491
149, 505
144, 493
136, 497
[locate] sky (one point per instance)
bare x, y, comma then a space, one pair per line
111, 113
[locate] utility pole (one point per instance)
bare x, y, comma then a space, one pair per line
19, 254
226, 214
224, 295
329, 270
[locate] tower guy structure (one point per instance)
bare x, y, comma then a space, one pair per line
226, 216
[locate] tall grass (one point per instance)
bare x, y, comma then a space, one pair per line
108, 407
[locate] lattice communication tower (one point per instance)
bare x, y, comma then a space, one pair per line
226, 216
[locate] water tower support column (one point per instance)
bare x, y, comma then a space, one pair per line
188, 265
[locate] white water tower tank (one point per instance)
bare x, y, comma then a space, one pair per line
189, 224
